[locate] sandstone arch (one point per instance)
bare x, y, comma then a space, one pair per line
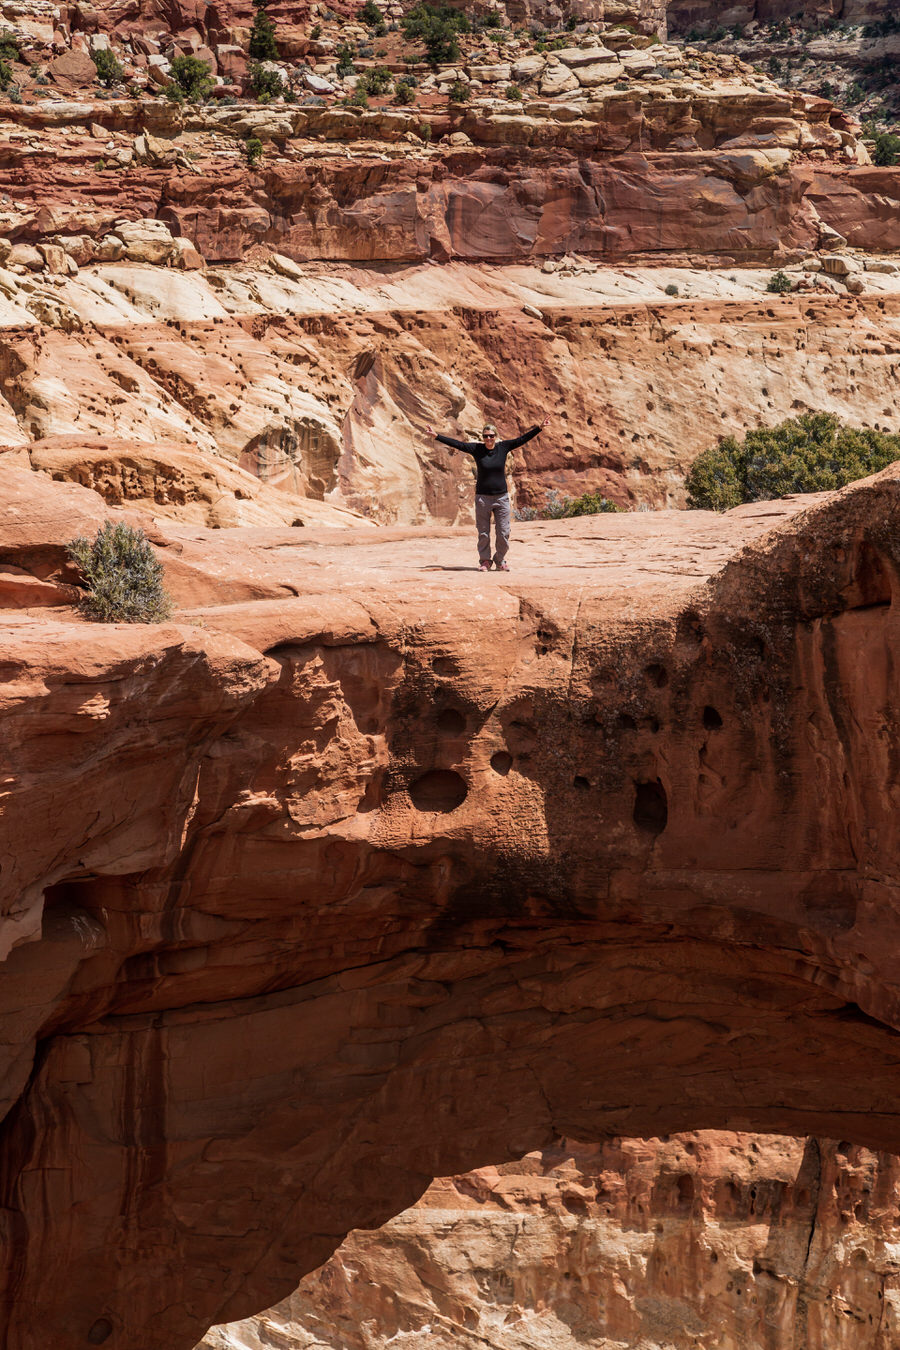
272, 996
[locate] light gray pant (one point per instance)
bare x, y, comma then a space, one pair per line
498, 507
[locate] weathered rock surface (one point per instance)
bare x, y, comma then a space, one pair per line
309, 900
742, 1242
321, 383
685, 14
545, 193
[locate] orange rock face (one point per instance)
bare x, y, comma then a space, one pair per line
744, 1242
318, 391
371, 868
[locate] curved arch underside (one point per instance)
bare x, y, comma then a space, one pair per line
337, 894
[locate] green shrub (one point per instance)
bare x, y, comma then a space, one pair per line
589, 504
514, 93
9, 49
123, 575
671, 289
358, 99
887, 149
315, 32
559, 507
779, 283
265, 84
438, 29
372, 17
5, 76
253, 149
458, 92
425, 131
192, 77
263, 46
812, 453
404, 93
109, 71
376, 82
345, 55
854, 94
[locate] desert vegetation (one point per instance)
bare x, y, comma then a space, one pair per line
811, 453
122, 574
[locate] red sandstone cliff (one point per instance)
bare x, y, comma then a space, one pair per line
738, 1242
371, 869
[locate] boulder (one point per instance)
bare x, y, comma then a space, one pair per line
73, 69
286, 267
558, 79
586, 56
498, 74
147, 241
317, 83
839, 265
26, 255
528, 68
590, 77
186, 256
54, 258
110, 249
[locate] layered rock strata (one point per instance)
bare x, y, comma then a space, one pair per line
742, 1242
142, 382
715, 177
371, 868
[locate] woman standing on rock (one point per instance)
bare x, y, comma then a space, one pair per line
491, 489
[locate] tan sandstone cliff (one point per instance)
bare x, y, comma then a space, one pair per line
709, 1240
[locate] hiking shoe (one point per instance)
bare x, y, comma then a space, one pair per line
485, 566
502, 566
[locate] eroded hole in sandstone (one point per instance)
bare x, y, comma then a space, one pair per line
657, 675
100, 1332
438, 790
712, 719
651, 807
627, 722
444, 665
582, 783
871, 584
451, 722
501, 762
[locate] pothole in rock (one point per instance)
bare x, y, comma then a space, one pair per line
651, 807
451, 722
438, 790
501, 762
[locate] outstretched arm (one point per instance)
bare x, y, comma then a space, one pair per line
527, 436
467, 446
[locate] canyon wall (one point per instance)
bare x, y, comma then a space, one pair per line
684, 15
370, 869
153, 385
738, 1242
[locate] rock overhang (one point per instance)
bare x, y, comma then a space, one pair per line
398, 869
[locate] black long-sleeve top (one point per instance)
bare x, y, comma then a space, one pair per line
491, 478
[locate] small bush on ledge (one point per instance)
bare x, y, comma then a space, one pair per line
812, 453
123, 575
779, 283
558, 507
109, 71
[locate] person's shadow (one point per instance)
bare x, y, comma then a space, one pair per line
442, 567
